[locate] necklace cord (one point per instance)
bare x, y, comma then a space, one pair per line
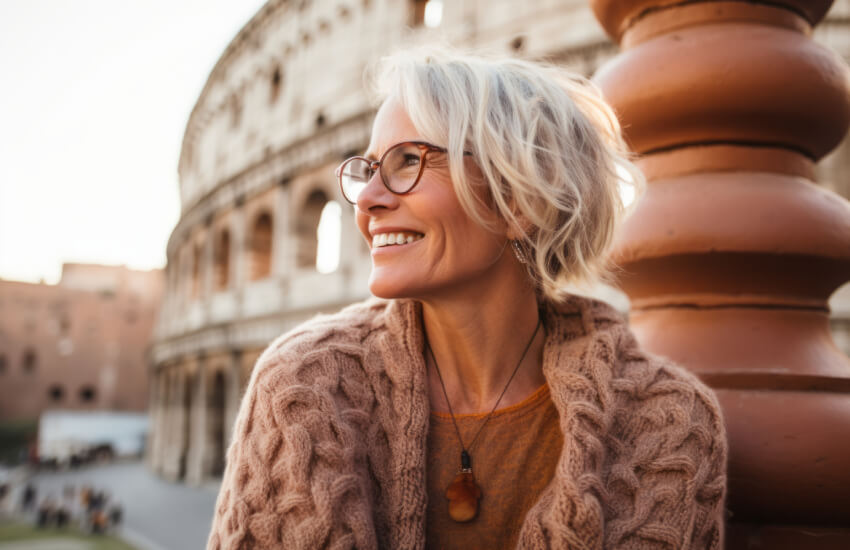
505, 389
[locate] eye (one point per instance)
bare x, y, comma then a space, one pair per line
410, 160
404, 159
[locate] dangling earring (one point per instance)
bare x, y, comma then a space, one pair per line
518, 252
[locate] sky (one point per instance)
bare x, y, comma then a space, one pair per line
94, 99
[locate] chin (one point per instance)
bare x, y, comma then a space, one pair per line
384, 284
389, 291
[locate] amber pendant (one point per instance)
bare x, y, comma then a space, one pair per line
463, 493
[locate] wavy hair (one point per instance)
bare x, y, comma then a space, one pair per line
549, 147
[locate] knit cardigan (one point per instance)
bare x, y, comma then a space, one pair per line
329, 444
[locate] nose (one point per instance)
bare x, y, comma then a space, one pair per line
375, 195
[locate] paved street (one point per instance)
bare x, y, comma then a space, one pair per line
158, 515
46, 545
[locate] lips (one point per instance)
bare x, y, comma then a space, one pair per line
395, 238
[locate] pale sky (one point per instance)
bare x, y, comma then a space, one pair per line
94, 100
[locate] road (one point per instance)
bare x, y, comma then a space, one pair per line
158, 515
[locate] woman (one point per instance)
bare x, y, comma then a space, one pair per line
477, 405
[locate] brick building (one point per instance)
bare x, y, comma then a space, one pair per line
80, 344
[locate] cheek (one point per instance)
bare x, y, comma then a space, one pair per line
362, 223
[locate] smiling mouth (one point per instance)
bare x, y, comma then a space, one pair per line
394, 239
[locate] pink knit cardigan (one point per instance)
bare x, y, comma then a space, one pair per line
329, 445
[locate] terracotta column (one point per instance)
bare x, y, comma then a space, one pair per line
734, 250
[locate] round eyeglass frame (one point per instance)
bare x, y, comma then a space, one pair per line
374, 166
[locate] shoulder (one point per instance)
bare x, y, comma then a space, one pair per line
668, 456
650, 407
666, 439
641, 380
660, 396
321, 341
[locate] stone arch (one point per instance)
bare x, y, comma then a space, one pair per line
222, 260
426, 12
306, 227
261, 246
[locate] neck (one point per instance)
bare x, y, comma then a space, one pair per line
477, 337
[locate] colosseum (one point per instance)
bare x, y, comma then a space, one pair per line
282, 107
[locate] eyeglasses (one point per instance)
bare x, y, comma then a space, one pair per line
401, 167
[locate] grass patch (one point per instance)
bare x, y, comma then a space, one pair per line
16, 532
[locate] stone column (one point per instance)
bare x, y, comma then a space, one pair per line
198, 429
734, 250
155, 418
238, 243
172, 294
281, 256
234, 394
174, 426
208, 264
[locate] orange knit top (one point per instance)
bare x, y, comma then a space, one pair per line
513, 460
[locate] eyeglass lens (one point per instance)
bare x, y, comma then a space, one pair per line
399, 171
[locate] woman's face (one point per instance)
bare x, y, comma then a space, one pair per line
449, 251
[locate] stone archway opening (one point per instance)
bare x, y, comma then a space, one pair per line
261, 247
329, 238
318, 233
306, 229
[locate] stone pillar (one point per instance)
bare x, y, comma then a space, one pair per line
238, 243
234, 394
164, 408
174, 425
155, 418
198, 429
170, 303
731, 255
281, 250
208, 264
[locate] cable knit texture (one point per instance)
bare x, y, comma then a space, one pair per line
329, 445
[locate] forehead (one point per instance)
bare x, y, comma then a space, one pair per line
391, 125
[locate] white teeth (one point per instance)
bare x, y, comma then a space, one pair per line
388, 239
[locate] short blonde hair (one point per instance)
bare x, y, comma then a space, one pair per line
548, 145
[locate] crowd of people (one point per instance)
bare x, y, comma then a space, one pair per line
85, 507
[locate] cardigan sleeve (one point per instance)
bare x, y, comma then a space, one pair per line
291, 480
672, 480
